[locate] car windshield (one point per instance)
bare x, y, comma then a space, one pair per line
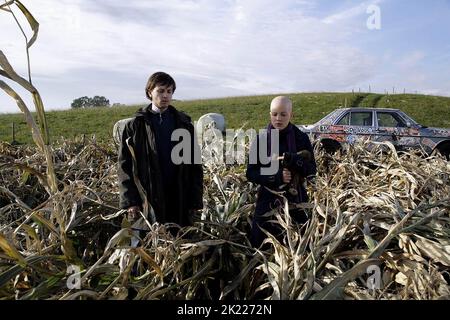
408, 118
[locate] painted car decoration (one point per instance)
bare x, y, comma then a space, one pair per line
348, 125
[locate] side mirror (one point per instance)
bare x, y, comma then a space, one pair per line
408, 124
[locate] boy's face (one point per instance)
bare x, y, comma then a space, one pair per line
280, 115
162, 96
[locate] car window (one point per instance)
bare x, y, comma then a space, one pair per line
345, 120
361, 119
389, 119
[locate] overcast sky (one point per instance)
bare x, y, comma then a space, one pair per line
228, 48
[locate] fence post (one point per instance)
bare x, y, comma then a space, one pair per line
13, 129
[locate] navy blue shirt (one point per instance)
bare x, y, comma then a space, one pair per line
163, 125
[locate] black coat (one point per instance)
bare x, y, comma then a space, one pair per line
266, 200
186, 189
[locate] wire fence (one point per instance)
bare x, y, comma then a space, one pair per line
15, 132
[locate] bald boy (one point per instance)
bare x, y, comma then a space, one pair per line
292, 146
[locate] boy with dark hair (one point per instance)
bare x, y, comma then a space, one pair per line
173, 190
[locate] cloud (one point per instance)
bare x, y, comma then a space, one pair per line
410, 60
349, 13
212, 48
237, 47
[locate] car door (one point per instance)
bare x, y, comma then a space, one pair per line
358, 125
393, 128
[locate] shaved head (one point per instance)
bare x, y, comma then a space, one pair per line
280, 112
281, 101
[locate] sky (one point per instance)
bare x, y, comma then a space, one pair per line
226, 48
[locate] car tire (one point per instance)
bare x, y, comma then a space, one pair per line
444, 149
330, 146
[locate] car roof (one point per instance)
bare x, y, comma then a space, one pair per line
366, 109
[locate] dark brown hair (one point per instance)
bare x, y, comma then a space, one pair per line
159, 78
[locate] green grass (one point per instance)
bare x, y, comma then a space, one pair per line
249, 112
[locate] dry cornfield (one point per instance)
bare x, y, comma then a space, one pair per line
379, 229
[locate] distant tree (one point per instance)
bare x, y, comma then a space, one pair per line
100, 101
82, 102
86, 102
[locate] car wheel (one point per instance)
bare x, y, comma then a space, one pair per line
444, 149
330, 146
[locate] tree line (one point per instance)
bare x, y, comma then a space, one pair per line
86, 102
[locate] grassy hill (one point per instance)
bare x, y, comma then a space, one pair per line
251, 111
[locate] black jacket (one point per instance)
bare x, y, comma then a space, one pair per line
266, 200
186, 189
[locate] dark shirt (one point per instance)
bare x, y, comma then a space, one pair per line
163, 125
